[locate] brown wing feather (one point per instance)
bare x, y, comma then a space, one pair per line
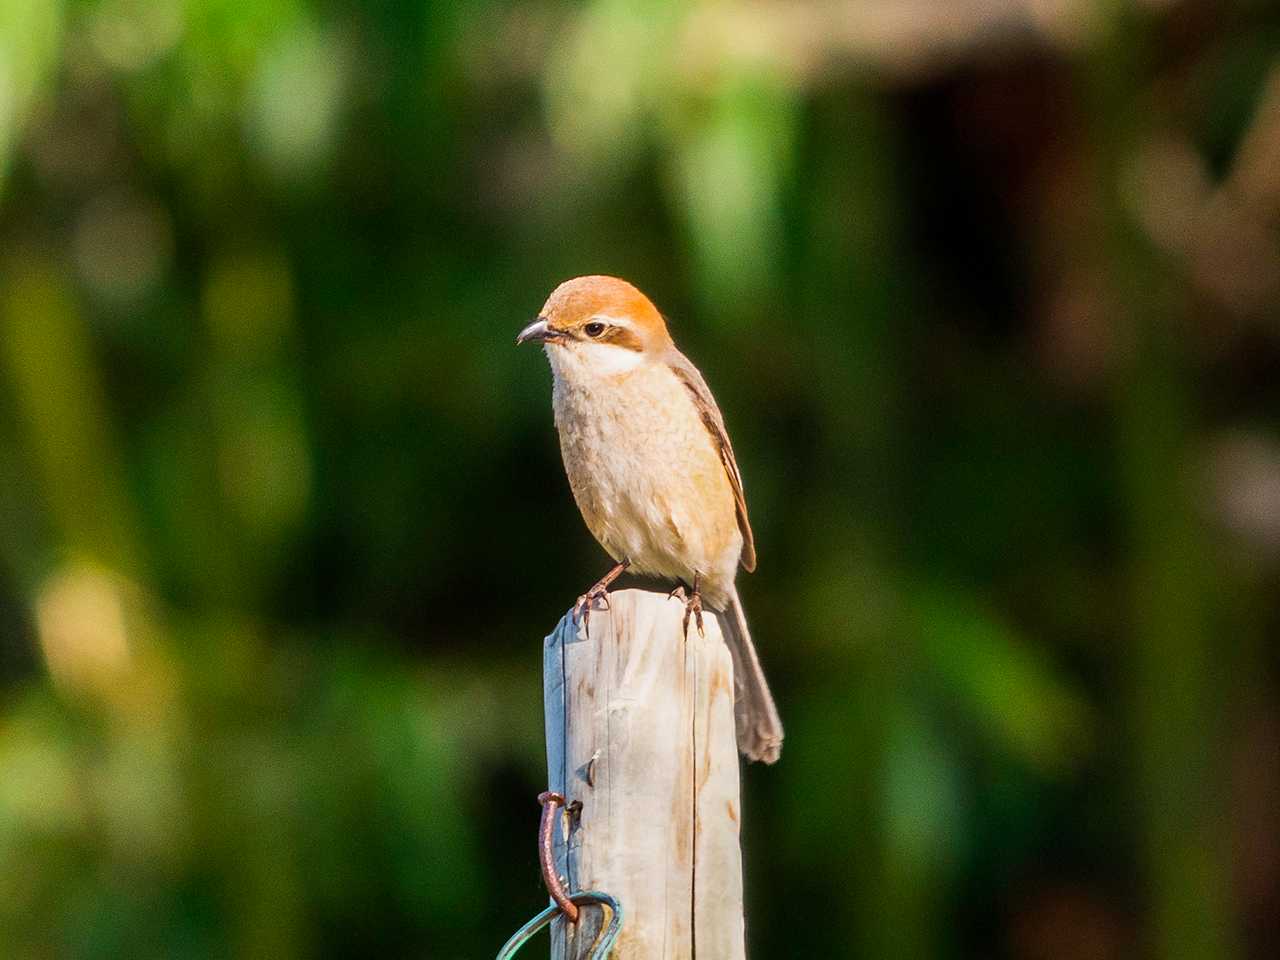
714, 421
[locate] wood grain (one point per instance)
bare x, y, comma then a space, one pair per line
640, 731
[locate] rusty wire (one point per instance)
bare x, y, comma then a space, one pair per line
550, 803
565, 905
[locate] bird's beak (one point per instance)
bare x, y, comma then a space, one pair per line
539, 332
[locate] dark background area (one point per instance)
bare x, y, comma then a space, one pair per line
988, 291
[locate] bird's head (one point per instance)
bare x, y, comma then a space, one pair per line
598, 325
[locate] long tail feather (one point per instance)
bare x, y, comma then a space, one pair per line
759, 727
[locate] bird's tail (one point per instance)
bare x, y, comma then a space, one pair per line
756, 717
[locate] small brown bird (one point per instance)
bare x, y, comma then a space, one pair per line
652, 469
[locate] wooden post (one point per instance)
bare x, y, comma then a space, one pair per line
640, 731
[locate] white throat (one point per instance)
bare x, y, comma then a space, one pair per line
584, 362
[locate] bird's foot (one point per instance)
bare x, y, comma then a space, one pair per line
582, 609
598, 592
692, 605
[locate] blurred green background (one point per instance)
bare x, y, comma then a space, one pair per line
989, 291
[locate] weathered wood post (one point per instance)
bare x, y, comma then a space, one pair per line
640, 732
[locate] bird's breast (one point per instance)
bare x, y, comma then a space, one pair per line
646, 473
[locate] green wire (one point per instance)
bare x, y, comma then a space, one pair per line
604, 943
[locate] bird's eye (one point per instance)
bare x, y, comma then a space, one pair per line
594, 328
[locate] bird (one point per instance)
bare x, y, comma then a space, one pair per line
652, 470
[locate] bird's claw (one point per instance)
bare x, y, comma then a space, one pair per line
582, 609
692, 608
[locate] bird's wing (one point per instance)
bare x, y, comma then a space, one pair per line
688, 374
